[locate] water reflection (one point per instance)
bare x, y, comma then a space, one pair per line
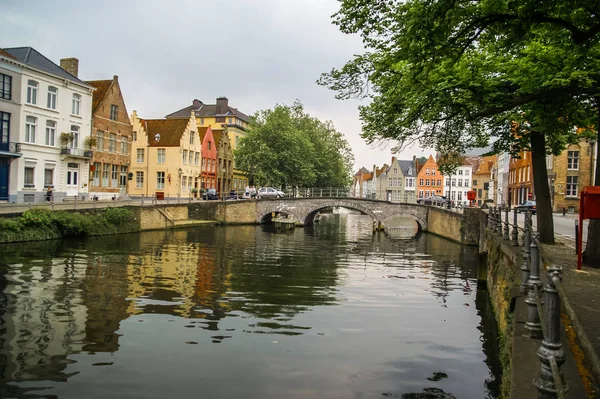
331, 310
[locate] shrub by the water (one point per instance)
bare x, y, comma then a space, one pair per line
43, 224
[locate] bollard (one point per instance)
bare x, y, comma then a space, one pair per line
525, 266
551, 350
499, 220
515, 231
506, 225
564, 211
533, 317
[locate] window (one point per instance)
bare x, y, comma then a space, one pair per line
460, 182
196, 158
112, 142
32, 89
427, 171
427, 194
467, 172
105, 173
183, 183
100, 140
30, 125
48, 177
433, 172
447, 181
460, 172
191, 158
140, 155
139, 179
474, 182
439, 182
52, 92
96, 175
115, 176
213, 166
572, 160
209, 144
50, 132
421, 182
466, 182
124, 145
453, 180
123, 177
184, 156
395, 171
76, 104
203, 163
192, 137
75, 133
134, 136
572, 186
114, 112
459, 196
160, 180
162, 155
420, 193
202, 121
29, 173
4, 127
5, 86
427, 182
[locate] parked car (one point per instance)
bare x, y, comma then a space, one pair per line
210, 194
437, 200
526, 206
270, 192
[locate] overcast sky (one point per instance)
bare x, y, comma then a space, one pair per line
257, 53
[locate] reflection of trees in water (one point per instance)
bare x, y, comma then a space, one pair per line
489, 343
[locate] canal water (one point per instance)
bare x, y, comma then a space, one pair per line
330, 311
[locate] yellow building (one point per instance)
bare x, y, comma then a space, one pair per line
165, 157
221, 117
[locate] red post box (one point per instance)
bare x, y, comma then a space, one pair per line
589, 208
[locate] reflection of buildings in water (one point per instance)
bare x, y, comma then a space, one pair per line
43, 319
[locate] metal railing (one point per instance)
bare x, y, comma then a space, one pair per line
543, 301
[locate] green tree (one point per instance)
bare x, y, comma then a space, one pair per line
468, 70
287, 147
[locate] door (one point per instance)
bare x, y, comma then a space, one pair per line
4, 179
72, 182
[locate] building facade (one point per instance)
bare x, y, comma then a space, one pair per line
222, 118
503, 178
167, 157
208, 174
112, 135
457, 185
54, 123
409, 171
429, 179
520, 185
483, 179
225, 175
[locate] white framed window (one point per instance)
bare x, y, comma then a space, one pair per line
134, 136
460, 182
427, 182
75, 133
183, 183
96, 176
114, 112
140, 155
196, 158
192, 133
105, 174
112, 142
420, 193
29, 177
467, 172
52, 93
572, 160
30, 128
184, 157
139, 179
5, 86
191, 157
203, 164
124, 145
115, 176
572, 183
100, 140
48, 177
123, 176
460, 172
421, 182
427, 171
32, 90
460, 196
50, 132
160, 180
161, 155
76, 104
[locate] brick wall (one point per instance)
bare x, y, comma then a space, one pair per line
560, 172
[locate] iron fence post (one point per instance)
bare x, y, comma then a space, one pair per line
489, 219
551, 348
525, 266
515, 230
499, 221
506, 225
533, 316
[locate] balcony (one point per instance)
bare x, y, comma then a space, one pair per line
77, 152
10, 149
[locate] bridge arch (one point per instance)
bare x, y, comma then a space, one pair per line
420, 221
309, 216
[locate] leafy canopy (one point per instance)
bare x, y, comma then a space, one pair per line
287, 147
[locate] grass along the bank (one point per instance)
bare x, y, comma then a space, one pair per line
43, 224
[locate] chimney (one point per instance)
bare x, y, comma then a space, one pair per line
196, 103
115, 78
222, 105
70, 65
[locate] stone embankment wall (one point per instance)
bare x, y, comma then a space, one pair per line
462, 228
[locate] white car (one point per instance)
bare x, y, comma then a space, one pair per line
269, 192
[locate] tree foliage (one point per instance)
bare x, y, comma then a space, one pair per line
287, 147
464, 72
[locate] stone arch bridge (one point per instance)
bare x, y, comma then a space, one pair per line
304, 210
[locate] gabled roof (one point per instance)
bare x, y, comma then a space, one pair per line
170, 130
207, 110
361, 171
102, 87
406, 166
33, 58
486, 165
7, 55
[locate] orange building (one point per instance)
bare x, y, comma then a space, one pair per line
520, 178
429, 179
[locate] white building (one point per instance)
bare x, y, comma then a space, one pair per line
502, 178
54, 124
457, 185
